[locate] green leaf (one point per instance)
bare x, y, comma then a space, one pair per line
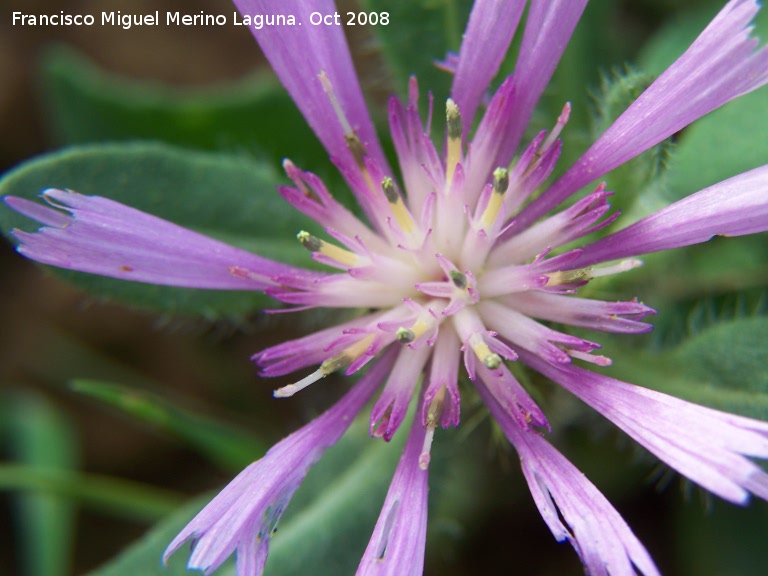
222, 444
729, 356
687, 275
636, 182
326, 526
87, 104
723, 143
720, 540
676, 35
724, 366
145, 555
420, 32
42, 439
115, 496
229, 198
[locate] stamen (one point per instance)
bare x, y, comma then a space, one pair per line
433, 415
593, 359
358, 153
587, 274
617, 268
291, 389
483, 352
405, 335
408, 335
459, 279
340, 255
399, 209
569, 277
295, 175
337, 362
500, 186
492, 361
328, 89
425, 456
562, 120
455, 130
420, 327
353, 142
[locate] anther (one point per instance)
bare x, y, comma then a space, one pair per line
416, 331
455, 130
357, 149
483, 352
500, 180
586, 274
331, 365
577, 276
343, 257
453, 118
405, 335
459, 280
399, 209
311, 243
500, 185
433, 415
390, 190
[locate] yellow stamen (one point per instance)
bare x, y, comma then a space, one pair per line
433, 415
483, 352
587, 274
356, 147
340, 360
346, 356
500, 185
399, 209
340, 255
455, 129
408, 335
569, 276
436, 407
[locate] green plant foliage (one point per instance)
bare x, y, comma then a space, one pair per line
636, 180
727, 141
324, 531
229, 198
721, 145
222, 444
108, 495
723, 365
255, 115
720, 540
43, 441
145, 556
419, 33
726, 366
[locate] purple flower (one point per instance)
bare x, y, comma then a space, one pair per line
396, 547
458, 264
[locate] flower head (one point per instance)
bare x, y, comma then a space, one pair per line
459, 264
